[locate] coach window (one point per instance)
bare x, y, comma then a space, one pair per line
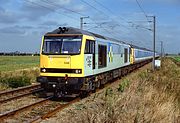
125, 55
102, 56
120, 51
130, 52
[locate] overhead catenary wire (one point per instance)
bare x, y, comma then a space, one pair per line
139, 5
61, 7
136, 25
53, 4
103, 13
127, 21
141, 8
72, 11
50, 9
109, 32
43, 6
77, 13
110, 10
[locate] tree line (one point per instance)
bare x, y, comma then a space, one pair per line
17, 53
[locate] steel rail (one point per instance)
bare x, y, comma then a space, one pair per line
2, 93
20, 96
54, 111
16, 111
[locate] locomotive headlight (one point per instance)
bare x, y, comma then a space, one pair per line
44, 70
76, 71
54, 85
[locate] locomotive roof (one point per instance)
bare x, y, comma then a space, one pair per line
69, 30
72, 30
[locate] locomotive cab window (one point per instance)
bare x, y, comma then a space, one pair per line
102, 56
89, 48
67, 45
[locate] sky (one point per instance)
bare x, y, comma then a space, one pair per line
24, 22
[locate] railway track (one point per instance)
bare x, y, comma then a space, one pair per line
25, 91
16, 111
20, 96
19, 93
60, 107
47, 114
54, 111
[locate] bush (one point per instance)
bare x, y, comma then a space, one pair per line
15, 81
19, 78
109, 92
123, 84
18, 81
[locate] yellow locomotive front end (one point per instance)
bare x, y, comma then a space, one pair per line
61, 56
62, 63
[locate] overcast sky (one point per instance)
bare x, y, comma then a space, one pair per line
23, 22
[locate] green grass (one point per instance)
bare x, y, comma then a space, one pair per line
12, 63
177, 58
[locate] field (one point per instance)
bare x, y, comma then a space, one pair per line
12, 63
17, 71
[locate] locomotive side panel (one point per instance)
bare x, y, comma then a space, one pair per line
110, 55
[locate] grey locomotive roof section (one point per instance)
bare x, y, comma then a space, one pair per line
69, 30
72, 30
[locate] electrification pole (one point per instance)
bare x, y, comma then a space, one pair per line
161, 49
81, 21
154, 41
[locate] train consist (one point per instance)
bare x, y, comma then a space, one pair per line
74, 62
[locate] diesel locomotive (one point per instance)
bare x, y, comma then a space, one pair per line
74, 62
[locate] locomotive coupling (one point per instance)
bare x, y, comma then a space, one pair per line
66, 79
